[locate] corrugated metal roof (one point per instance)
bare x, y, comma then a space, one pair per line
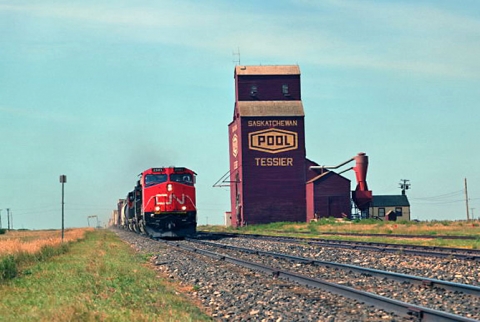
270, 108
268, 70
390, 201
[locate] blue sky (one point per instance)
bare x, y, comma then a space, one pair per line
101, 90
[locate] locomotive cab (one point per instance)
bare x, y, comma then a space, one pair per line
168, 205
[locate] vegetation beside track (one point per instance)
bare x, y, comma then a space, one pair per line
324, 227
20, 248
97, 279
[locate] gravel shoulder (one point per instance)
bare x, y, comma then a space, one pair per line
231, 293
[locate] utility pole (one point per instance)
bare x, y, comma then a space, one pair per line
8, 218
466, 199
1, 218
63, 180
404, 185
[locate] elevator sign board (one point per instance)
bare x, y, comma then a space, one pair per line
235, 145
273, 140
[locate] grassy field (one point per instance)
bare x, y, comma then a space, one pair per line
99, 278
331, 225
32, 241
93, 276
23, 248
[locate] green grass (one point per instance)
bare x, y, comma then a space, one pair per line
98, 279
369, 226
10, 265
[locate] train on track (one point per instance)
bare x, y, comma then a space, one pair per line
161, 205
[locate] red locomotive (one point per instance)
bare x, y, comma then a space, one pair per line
162, 204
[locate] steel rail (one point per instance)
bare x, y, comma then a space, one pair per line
418, 280
451, 249
402, 235
460, 253
406, 309
466, 251
410, 251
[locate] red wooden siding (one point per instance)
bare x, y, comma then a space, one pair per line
269, 88
328, 196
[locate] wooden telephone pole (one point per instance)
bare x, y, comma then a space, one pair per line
466, 199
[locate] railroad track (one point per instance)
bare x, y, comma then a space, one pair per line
442, 252
401, 236
239, 285
423, 281
417, 312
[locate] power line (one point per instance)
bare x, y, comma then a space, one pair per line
442, 196
439, 202
72, 207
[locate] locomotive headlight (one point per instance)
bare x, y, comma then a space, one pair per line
169, 187
184, 207
157, 208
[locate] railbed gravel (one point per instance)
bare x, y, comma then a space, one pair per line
231, 293
435, 298
448, 269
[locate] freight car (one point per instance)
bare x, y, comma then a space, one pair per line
162, 204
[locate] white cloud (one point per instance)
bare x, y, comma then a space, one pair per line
390, 37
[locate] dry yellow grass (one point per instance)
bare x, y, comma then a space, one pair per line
31, 242
402, 228
432, 228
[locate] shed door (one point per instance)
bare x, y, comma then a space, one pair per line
335, 207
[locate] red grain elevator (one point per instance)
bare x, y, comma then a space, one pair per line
267, 146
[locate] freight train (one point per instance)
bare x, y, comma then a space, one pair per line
162, 204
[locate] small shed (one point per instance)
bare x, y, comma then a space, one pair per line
328, 195
396, 206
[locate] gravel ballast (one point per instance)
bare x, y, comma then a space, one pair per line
231, 293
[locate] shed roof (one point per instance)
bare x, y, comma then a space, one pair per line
390, 201
268, 70
270, 108
325, 175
